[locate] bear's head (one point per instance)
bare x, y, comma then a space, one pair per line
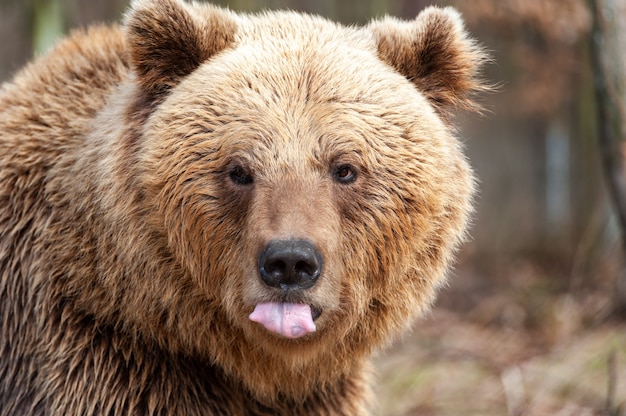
304, 178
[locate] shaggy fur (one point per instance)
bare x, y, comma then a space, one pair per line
128, 254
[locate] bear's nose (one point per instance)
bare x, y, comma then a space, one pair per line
290, 264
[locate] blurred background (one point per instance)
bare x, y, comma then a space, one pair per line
532, 322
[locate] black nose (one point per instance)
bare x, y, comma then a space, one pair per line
290, 264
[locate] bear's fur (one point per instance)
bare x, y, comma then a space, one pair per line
144, 168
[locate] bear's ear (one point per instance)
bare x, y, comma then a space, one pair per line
168, 39
435, 53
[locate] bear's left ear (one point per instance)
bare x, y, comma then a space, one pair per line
435, 53
169, 39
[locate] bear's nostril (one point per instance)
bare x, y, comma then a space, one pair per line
290, 264
305, 267
276, 267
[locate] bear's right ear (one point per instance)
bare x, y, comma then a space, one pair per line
435, 53
168, 39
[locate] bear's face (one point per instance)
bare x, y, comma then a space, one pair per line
303, 173
306, 154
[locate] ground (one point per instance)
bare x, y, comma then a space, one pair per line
527, 345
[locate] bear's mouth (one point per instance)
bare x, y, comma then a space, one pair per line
315, 312
290, 320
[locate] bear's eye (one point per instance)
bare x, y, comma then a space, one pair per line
241, 176
344, 174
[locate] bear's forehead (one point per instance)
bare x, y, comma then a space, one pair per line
275, 69
290, 51
289, 75
297, 27
320, 87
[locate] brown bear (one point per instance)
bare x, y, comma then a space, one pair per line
204, 212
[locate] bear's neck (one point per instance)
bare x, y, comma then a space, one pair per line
141, 378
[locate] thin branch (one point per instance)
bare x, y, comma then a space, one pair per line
608, 83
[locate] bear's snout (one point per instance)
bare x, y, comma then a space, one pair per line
290, 264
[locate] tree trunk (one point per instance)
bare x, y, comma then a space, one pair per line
608, 55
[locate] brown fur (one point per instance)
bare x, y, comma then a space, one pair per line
127, 255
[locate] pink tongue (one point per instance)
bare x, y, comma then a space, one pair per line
291, 320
